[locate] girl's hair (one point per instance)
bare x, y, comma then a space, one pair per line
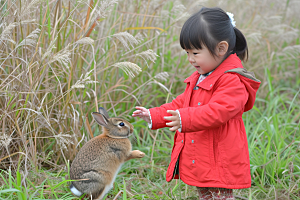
208, 27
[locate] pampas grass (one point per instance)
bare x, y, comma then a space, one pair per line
60, 60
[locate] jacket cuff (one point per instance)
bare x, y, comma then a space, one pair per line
157, 117
184, 120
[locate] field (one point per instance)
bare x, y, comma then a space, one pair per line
62, 59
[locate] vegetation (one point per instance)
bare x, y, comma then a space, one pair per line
61, 59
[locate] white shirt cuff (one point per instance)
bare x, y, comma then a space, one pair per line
180, 121
149, 125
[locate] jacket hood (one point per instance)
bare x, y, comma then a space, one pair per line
251, 83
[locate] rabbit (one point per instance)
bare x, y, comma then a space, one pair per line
98, 162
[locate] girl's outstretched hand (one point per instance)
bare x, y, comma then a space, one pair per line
142, 112
175, 120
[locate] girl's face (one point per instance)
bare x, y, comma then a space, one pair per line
202, 59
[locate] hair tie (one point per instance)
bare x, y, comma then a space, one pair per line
230, 15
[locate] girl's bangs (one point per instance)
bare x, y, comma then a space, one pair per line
193, 34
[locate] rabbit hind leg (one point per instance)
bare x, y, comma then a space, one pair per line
99, 195
96, 184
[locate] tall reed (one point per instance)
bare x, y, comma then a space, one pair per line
60, 60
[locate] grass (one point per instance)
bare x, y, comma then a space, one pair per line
75, 57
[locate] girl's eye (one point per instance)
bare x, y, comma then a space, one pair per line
121, 124
193, 53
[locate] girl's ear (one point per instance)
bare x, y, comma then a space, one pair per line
222, 48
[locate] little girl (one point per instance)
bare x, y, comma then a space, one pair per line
210, 145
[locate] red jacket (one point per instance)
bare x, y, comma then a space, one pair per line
212, 144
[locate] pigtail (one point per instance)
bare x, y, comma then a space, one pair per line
241, 48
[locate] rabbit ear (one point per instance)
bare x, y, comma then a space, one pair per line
100, 119
102, 111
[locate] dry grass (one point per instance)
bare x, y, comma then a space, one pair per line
59, 61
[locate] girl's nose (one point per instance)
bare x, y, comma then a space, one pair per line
191, 58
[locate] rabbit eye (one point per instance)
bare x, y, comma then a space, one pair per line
121, 124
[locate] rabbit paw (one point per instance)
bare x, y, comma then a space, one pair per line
141, 154
137, 154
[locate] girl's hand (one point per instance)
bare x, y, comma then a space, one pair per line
142, 113
175, 120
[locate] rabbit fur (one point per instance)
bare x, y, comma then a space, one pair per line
98, 162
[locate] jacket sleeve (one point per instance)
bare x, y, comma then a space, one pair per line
158, 113
228, 99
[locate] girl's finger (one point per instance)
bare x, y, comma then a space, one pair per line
172, 124
172, 112
137, 111
174, 128
140, 108
169, 118
169, 124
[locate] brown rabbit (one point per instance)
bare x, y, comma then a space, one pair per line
98, 162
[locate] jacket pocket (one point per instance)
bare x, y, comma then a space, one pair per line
203, 164
214, 150
234, 155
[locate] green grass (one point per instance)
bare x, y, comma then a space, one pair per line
47, 92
